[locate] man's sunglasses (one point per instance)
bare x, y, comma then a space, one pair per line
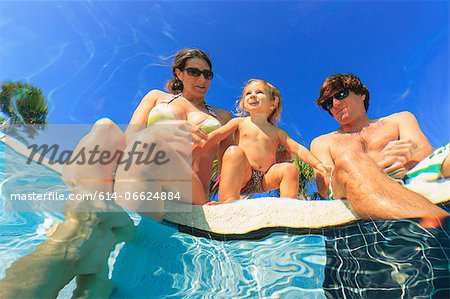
340, 95
195, 72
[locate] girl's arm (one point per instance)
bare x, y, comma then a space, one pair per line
320, 146
225, 116
303, 153
220, 134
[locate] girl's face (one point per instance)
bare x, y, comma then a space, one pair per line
257, 98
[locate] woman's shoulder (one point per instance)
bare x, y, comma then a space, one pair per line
223, 115
156, 94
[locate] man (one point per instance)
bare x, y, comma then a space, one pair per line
369, 155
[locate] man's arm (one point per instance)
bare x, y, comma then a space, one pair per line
320, 147
398, 156
409, 129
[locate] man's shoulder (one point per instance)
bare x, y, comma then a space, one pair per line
325, 139
398, 116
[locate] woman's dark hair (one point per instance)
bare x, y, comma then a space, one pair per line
175, 85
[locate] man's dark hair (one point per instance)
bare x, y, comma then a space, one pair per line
337, 82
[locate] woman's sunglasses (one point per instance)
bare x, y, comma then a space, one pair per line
340, 95
195, 72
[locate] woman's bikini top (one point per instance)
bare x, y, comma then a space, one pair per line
163, 112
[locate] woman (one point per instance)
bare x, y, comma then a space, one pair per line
192, 75
186, 110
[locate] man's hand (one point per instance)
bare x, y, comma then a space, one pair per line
393, 159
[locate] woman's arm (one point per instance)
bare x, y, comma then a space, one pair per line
139, 119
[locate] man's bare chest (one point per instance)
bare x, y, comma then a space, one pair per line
371, 139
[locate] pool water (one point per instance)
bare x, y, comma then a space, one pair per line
388, 259
163, 262
395, 259
370, 259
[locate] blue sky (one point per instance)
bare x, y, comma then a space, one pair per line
98, 58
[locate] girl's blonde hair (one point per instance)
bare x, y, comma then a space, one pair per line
274, 117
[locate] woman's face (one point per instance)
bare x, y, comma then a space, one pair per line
195, 87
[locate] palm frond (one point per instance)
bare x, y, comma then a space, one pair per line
306, 178
22, 104
214, 178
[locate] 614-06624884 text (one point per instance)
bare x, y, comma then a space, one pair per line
140, 195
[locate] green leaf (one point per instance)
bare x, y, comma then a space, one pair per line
22, 104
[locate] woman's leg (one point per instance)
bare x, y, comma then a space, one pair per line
173, 173
110, 227
236, 172
81, 245
282, 175
105, 136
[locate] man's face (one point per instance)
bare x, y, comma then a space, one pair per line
347, 107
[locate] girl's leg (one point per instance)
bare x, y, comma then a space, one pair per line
236, 172
282, 175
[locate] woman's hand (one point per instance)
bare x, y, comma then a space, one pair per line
178, 134
198, 135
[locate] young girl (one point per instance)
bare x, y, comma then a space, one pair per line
251, 166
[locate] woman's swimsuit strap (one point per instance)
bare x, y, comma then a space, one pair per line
175, 96
211, 111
